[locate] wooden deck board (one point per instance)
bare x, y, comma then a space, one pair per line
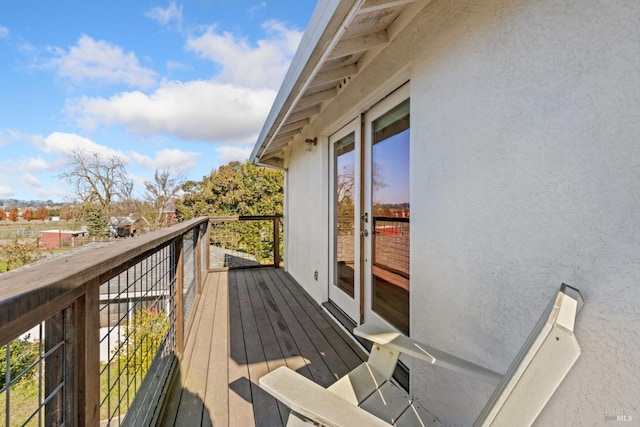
341, 356
240, 407
305, 332
265, 407
249, 322
217, 398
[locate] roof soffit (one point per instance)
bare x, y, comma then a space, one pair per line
354, 33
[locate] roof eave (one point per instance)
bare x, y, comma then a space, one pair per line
323, 27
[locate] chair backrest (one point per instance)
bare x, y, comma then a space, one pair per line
542, 363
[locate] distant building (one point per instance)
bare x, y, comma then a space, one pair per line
51, 239
122, 226
170, 213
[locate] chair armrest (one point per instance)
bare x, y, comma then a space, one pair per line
413, 348
315, 402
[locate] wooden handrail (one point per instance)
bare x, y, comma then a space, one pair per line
244, 218
42, 290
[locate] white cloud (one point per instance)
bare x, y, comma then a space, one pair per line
197, 110
31, 180
4, 32
66, 144
100, 61
165, 16
255, 9
5, 138
230, 153
177, 162
33, 164
10, 135
28, 166
230, 108
174, 65
5, 190
262, 65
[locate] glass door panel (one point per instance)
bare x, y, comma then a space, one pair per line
345, 221
344, 288
387, 280
391, 213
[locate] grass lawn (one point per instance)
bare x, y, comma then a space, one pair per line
115, 398
23, 402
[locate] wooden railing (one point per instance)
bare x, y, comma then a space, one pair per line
93, 337
95, 323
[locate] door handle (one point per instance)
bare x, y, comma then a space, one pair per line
364, 233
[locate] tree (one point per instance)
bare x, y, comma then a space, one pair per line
159, 194
67, 212
22, 355
234, 189
3, 214
13, 214
97, 180
237, 189
142, 337
21, 252
42, 213
96, 220
27, 214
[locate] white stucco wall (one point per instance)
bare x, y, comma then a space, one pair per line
306, 219
525, 174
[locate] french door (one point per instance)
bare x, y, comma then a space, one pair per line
371, 215
344, 288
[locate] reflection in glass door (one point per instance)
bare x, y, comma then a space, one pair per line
344, 290
345, 214
389, 188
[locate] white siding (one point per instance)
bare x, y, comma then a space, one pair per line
525, 174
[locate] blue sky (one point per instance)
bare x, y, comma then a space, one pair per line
178, 86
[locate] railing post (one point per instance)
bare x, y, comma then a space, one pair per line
198, 250
276, 241
208, 244
54, 329
88, 338
179, 248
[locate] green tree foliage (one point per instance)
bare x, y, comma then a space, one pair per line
23, 353
237, 189
143, 336
234, 189
96, 220
21, 252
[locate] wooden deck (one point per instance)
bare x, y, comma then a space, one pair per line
249, 322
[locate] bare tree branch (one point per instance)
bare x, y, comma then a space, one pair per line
96, 179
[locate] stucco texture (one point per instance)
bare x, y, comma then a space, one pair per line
525, 173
